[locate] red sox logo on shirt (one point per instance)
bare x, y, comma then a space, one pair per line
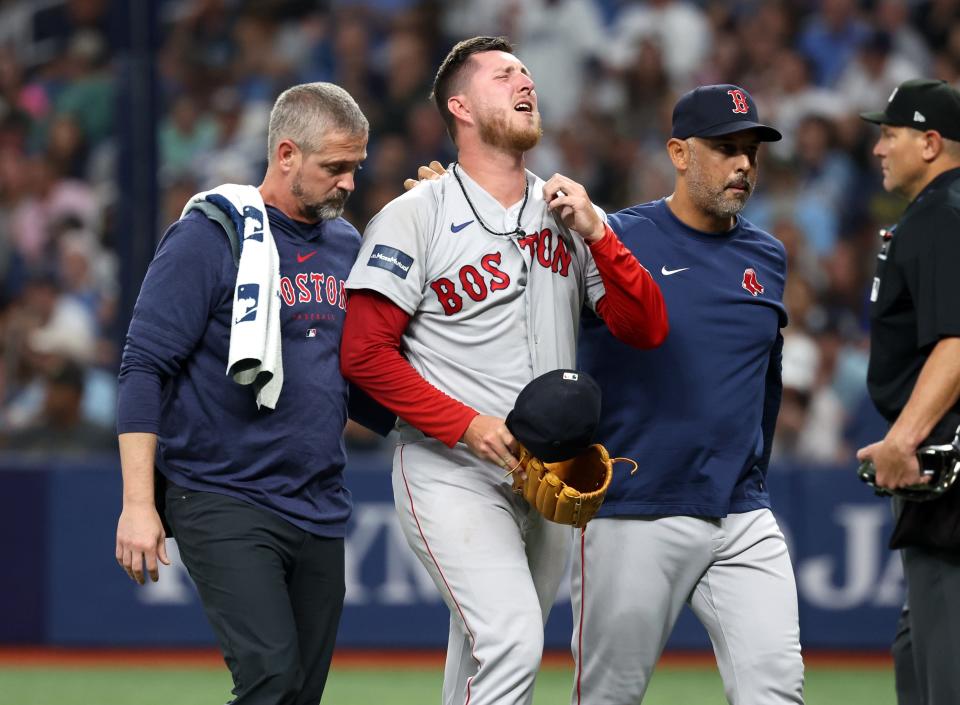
546, 249
751, 283
739, 101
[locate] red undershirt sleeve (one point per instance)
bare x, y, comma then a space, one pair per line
632, 307
370, 357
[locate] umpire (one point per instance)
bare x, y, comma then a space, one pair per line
914, 373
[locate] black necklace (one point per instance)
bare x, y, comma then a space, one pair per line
518, 231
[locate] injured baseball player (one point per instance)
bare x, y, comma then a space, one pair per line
465, 289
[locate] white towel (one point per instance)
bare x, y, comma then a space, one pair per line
254, 356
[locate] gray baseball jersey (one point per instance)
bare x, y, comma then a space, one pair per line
489, 313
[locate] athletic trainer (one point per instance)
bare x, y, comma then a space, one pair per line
231, 395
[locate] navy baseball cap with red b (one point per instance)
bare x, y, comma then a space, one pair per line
713, 111
923, 104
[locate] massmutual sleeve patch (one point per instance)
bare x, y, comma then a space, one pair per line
390, 258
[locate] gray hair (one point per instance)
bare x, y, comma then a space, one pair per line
305, 113
951, 148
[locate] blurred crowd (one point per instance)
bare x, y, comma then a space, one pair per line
607, 75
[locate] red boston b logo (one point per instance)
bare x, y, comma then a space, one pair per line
739, 101
750, 282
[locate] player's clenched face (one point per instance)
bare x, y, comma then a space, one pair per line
722, 172
901, 159
324, 180
503, 102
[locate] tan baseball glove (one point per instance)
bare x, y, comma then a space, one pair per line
570, 491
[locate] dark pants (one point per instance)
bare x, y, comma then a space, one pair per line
273, 594
928, 637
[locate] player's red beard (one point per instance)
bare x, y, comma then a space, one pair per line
497, 130
313, 211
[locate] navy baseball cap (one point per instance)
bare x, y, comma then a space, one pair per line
556, 415
923, 104
712, 111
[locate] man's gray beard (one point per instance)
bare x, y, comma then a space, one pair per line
495, 132
330, 209
327, 211
713, 202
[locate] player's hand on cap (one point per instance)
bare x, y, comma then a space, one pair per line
140, 539
488, 438
425, 173
570, 200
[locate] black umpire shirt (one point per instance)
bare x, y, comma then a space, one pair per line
916, 293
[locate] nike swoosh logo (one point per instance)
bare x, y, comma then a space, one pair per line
303, 258
667, 272
458, 228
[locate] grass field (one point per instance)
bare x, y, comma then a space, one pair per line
165, 684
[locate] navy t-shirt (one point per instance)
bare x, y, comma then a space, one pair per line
211, 435
696, 413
